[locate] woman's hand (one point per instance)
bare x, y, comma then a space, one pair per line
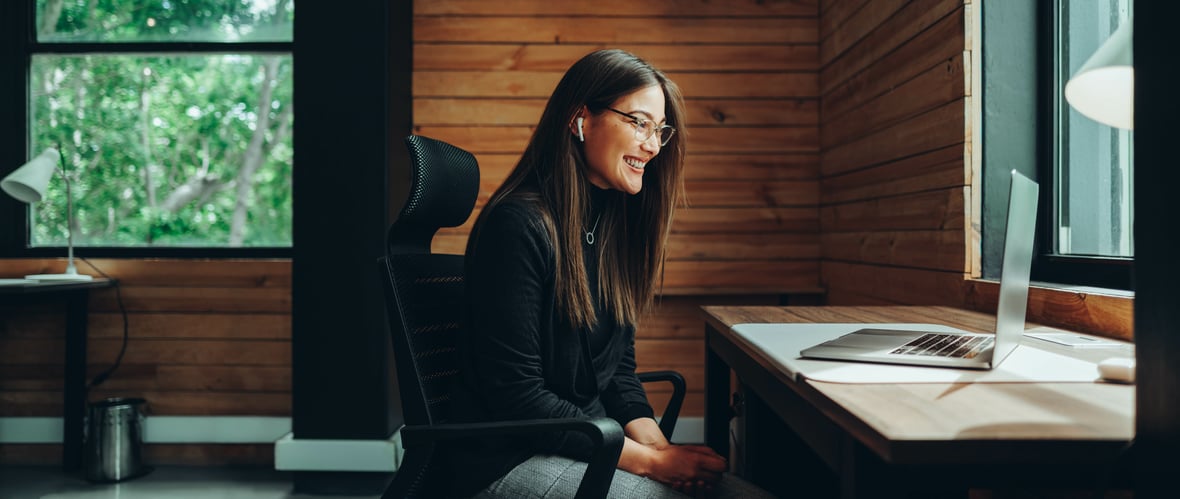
690, 469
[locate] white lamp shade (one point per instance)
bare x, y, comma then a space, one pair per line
1104, 88
27, 184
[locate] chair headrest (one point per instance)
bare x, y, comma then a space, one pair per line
444, 183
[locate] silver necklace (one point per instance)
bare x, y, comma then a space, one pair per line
590, 233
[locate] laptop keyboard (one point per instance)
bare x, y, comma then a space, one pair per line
946, 345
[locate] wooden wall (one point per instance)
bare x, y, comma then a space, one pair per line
895, 186
205, 338
484, 70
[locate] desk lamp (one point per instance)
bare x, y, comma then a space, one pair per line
1104, 88
28, 184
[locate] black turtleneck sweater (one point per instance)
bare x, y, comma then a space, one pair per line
523, 360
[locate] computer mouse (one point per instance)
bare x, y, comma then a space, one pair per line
1117, 370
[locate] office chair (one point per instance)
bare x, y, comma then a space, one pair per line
424, 300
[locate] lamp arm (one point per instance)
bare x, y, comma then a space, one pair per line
61, 170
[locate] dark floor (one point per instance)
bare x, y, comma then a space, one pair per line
165, 482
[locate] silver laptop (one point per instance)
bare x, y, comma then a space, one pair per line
959, 349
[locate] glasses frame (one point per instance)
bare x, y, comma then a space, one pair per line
638, 123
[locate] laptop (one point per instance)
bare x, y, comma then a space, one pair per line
959, 349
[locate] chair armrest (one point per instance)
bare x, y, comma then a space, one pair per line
672, 411
605, 433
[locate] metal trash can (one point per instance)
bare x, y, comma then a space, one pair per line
114, 440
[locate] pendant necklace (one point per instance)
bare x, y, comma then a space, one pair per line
590, 233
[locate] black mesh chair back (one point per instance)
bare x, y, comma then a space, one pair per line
424, 290
424, 300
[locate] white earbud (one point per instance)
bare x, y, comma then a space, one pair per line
581, 138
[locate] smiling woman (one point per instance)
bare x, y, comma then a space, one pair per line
615, 155
560, 265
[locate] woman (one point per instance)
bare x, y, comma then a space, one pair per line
561, 263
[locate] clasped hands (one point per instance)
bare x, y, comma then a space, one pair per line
690, 469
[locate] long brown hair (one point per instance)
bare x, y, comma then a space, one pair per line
635, 227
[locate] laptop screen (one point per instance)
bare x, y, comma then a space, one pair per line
1014, 274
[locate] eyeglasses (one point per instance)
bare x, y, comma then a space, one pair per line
645, 128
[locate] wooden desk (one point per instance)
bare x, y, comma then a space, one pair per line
887, 440
76, 296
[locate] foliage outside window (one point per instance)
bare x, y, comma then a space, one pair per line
173, 118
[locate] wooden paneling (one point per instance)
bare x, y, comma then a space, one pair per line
205, 337
937, 44
749, 71
527, 111
702, 84
898, 285
941, 209
657, 9
932, 170
935, 129
504, 139
528, 57
893, 31
929, 90
575, 30
893, 184
842, 27
936, 249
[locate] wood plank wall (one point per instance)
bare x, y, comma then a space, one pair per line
205, 338
484, 70
894, 179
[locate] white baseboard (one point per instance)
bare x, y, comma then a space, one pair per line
30, 430
161, 430
215, 429
302, 454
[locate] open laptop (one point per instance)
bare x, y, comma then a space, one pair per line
959, 349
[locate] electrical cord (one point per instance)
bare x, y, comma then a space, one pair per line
102, 377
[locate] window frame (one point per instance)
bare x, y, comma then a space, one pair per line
18, 18
1022, 100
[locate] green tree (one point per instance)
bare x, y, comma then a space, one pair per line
168, 150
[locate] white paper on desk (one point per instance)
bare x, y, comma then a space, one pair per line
16, 282
783, 342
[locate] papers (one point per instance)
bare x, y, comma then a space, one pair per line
16, 282
1074, 340
782, 343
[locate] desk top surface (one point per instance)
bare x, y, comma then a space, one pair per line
900, 419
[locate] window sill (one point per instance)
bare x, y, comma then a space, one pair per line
1101, 311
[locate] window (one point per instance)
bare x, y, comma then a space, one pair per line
173, 118
1085, 169
1090, 214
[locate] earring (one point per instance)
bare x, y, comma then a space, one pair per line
581, 138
